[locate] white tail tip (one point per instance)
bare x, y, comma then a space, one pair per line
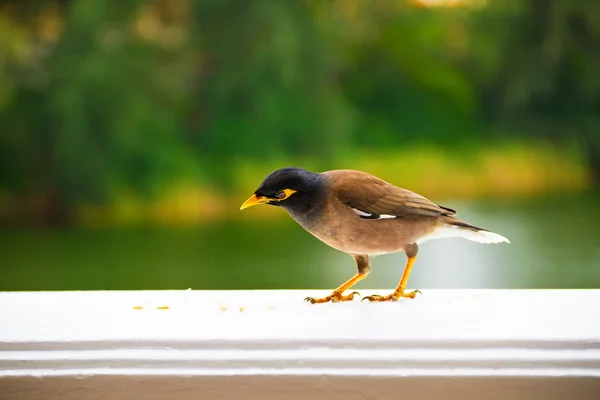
484, 237
449, 231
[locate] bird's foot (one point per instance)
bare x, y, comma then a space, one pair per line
333, 297
392, 297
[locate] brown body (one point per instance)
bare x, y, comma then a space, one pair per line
362, 215
340, 227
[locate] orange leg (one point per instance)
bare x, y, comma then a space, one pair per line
362, 263
399, 292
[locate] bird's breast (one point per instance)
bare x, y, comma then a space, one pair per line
344, 230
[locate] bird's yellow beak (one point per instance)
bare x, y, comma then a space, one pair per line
253, 201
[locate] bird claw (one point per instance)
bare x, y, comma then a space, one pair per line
392, 297
378, 297
333, 298
348, 297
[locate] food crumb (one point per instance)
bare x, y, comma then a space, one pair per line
222, 308
241, 309
162, 308
138, 307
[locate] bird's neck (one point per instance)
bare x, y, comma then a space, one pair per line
307, 208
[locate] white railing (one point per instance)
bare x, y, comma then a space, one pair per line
450, 344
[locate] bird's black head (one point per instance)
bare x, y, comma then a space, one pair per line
289, 187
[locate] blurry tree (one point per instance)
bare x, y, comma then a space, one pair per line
91, 112
542, 69
406, 80
269, 81
98, 97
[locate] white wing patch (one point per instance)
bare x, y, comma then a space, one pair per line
367, 215
361, 213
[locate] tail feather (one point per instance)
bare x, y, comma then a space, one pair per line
482, 236
456, 228
475, 233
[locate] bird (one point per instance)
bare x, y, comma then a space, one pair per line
364, 216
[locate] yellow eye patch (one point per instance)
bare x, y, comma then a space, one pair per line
284, 194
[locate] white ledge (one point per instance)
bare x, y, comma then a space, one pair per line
470, 336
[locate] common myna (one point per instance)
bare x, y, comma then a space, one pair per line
362, 215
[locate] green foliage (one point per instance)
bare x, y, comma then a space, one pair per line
270, 84
413, 90
98, 97
546, 65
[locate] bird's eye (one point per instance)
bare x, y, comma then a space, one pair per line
280, 195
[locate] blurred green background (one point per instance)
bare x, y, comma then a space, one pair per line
132, 130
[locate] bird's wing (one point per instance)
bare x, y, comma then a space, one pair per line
374, 198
